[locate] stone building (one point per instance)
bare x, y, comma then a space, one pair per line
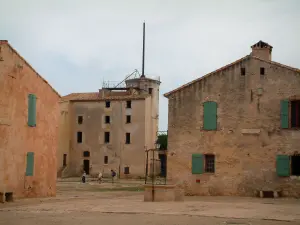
108, 129
236, 130
29, 112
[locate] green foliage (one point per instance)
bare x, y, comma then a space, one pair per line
163, 140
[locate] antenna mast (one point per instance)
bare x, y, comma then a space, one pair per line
143, 64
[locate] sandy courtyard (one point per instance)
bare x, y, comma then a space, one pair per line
96, 204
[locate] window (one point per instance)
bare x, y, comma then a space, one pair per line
283, 165
106, 137
128, 104
80, 119
126, 170
29, 164
86, 154
107, 104
210, 116
31, 110
106, 159
65, 160
79, 137
150, 91
128, 119
290, 114
243, 71
295, 114
262, 71
127, 138
107, 119
295, 165
209, 163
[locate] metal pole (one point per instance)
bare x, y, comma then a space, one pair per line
143, 65
146, 168
153, 176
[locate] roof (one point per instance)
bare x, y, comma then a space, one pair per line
229, 65
3, 42
201, 78
95, 96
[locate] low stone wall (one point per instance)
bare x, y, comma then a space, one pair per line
162, 193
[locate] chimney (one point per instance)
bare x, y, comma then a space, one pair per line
262, 50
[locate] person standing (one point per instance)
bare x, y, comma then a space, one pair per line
83, 177
100, 177
113, 174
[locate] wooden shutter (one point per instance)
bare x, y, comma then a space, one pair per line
31, 110
197, 163
284, 113
283, 165
210, 116
29, 164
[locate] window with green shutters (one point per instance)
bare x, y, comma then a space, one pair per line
284, 113
283, 165
31, 110
210, 116
197, 163
29, 164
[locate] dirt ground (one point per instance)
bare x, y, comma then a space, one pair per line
122, 203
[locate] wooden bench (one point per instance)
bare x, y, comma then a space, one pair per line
267, 193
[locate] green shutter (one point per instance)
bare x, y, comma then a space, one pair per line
29, 163
284, 113
210, 116
283, 165
31, 110
197, 163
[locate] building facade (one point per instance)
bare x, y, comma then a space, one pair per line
29, 112
109, 129
236, 130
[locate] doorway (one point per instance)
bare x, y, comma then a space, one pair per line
163, 165
86, 166
65, 160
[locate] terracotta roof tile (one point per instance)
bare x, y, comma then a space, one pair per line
94, 96
225, 67
200, 78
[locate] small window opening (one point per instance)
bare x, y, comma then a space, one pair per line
262, 71
150, 91
128, 104
107, 119
106, 159
79, 137
243, 71
80, 119
128, 119
107, 104
86, 154
209, 163
295, 114
106, 137
127, 138
295, 165
126, 170
65, 160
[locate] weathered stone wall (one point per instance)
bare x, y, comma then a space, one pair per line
244, 162
93, 128
17, 80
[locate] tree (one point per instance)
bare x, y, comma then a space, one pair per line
163, 141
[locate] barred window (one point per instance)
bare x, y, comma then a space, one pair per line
209, 163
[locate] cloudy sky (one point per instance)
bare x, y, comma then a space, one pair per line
76, 44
